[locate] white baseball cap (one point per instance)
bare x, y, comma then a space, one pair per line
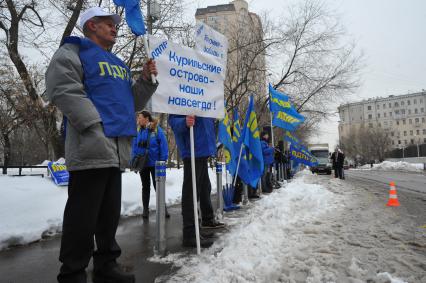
97, 12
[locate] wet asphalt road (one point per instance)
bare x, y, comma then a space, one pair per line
415, 182
38, 262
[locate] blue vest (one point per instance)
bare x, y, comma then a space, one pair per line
108, 84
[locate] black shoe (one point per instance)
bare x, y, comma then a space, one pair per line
254, 197
213, 224
145, 213
208, 234
112, 274
192, 242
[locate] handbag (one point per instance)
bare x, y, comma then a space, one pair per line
139, 161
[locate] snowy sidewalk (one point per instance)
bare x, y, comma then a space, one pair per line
315, 229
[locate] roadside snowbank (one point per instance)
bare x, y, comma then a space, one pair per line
399, 165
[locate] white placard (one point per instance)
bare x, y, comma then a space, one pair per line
190, 82
210, 41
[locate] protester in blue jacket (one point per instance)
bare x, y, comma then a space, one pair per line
268, 160
152, 141
205, 146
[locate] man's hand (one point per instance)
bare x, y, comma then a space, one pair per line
148, 69
190, 120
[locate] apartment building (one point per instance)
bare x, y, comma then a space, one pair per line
244, 32
403, 117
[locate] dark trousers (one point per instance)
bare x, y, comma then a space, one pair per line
146, 174
92, 209
338, 172
203, 195
266, 180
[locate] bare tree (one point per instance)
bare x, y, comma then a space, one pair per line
368, 142
318, 67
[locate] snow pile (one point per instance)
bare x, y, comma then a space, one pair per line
32, 207
399, 165
242, 256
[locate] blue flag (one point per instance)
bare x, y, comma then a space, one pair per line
291, 138
134, 17
225, 137
301, 154
284, 114
251, 140
243, 169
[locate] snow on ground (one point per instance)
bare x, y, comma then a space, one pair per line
31, 207
399, 165
315, 229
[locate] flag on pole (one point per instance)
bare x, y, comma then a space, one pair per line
251, 139
134, 17
288, 136
284, 114
243, 169
225, 138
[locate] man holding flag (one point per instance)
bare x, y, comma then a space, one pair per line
94, 90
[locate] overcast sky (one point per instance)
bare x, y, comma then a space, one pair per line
390, 33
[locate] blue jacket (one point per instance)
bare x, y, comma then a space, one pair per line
204, 136
268, 153
157, 148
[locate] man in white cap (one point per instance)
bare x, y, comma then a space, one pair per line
95, 92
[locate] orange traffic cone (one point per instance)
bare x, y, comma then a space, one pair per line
393, 198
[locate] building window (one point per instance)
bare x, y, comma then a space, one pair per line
390, 105
405, 133
397, 111
384, 106
408, 102
390, 114
424, 131
378, 115
392, 134
399, 141
409, 111
396, 104
411, 132
397, 122
422, 110
369, 107
410, 121
405, 141
423, 119
402, 111
415, 111
424, 140
403, 121
393, 142
417, 120
412, 141
415, 101
385, 123
402, 103
418, 132
378, 106
370, 116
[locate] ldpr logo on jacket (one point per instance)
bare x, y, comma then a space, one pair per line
108, 84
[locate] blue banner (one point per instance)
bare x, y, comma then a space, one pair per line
134, 17
225, 137
300, 154
251, 140
59, 173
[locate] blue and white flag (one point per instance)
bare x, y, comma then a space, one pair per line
134, 17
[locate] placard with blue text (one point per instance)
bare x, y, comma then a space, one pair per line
190, 82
